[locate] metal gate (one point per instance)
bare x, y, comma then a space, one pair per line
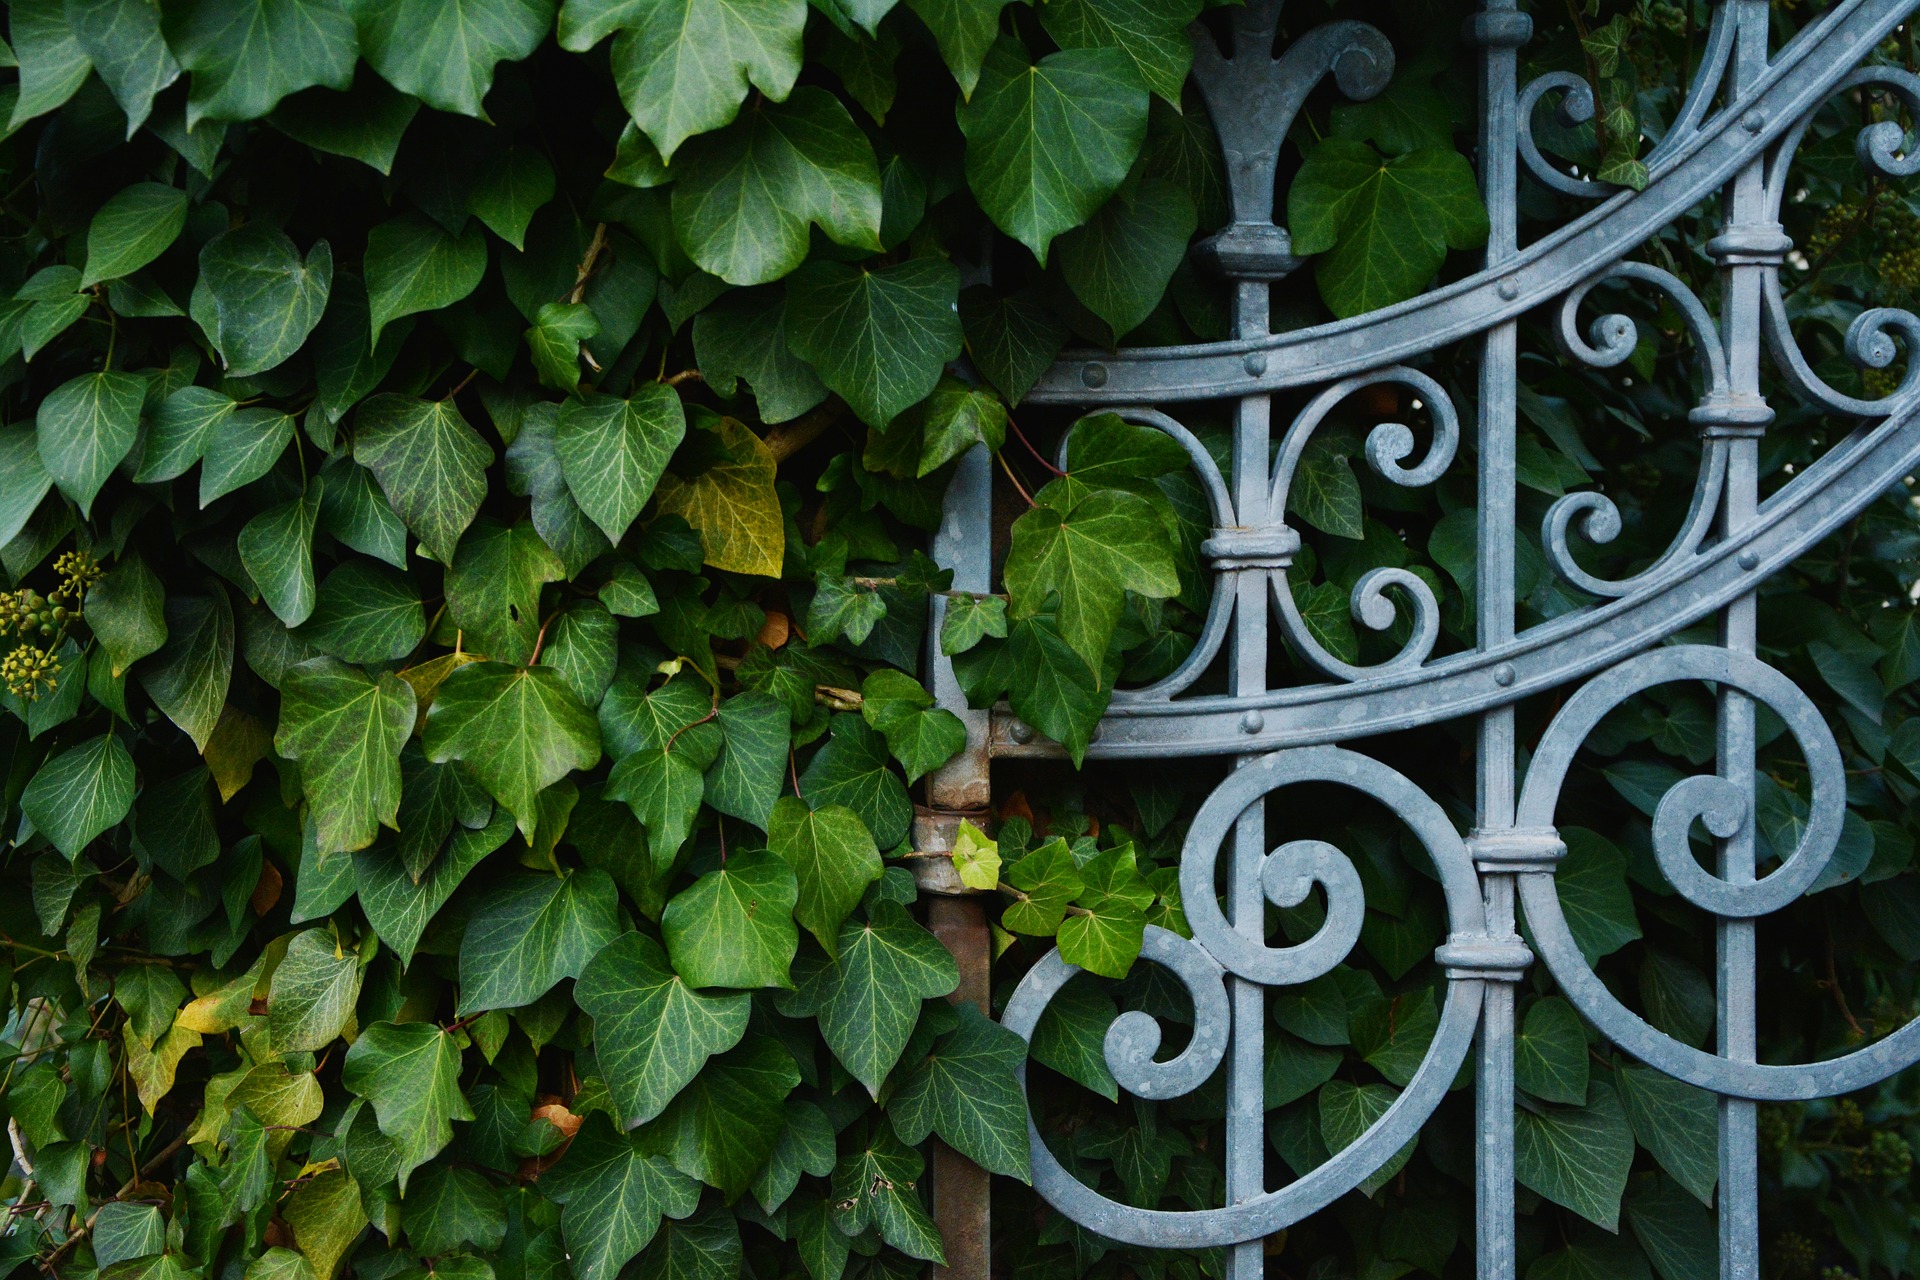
1736, 136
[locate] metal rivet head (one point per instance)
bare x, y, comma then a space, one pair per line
1094, 375
1503, 674
1508, 289
1748, 560
1255, 363
1020, 731
1253, 722
1753, 121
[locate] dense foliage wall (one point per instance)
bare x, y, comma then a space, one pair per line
462, 496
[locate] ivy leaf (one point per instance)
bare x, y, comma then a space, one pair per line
613, 1197
1153, 34
745, 778
532, 931
256, 299
513, 187
365, 123
833, 857
132, 229
876, 1185
682, 67
664, 784
452, 1206
554, 341
868, 998
414, 265
410, 1072
80, 793
953, 419
967, 1091
853, 770
126, 611
327, 1217
743, 336
1047, 144
1326, 493
1550, 1054
276, 547
444, 54
366, 613
123, 1230
520, 729
726, 1122
1347, 1111
246, 55
52, 63
346, 729
347, 363
880, 338
732, 504
1577, 1157
969, 620
122, 38
921, 736
431, 465
1104, 936
964, 31
651, 1032
613, 451
85, 427
311, 998
1385, 225
734, 927
188, 677
1678, 1122
1087, 554
242, 447
1118, 263
493, 588
975, 858
1012, 339
398, 904
746, 195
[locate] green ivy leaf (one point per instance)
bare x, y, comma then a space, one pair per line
414, 265
493, 588
1679, 1123
53, 65
122, 38
1119, 262
1550, 1054
613, 451
410, 1072
967, 1090
256, 299
80, 793
854, 770
682, 67
1048, 143
732, 504
743, 336
398, 903
1348, 1111
1152, 34
1104, 935
651, 1032
126, 611
327, 1217
880, 338
246, 56
868, 998
876, 1185
833, 857
445, 54
747, 194
513, 187
734, 927
132, 229
366, 123
1385, 225
554, 341
276, 547
366, 613
1577, 1157
310, 1001
921, 736
346, 729
188, 677
85, 427
964, 30
532, 931
520, 729
745, 779
431, 465
726, 1122
240, 448
613, 1196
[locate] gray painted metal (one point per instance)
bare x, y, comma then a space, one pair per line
1735, 138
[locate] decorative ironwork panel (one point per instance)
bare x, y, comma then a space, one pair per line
1735, 138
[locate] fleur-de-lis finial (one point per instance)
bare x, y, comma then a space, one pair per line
1253, 95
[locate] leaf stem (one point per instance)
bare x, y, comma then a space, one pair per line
685, 375
1039, 457
540, 641
461, 385
1018, 487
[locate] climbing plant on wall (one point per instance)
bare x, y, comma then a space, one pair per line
463, 496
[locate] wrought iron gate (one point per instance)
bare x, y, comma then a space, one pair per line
1743, 119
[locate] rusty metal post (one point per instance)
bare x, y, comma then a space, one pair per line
956, 915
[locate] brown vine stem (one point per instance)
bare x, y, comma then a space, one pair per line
1018, 487
790, 438
1038, 456
685, 375
584, 272
461, 385
165, 1154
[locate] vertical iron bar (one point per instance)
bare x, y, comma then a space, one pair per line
1739, 1192
1500, 31
1246, 1118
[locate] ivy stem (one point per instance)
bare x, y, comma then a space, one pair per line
461, 385
793, 770
1018, 487
540, 641
1038, 456
685, 375
584, 271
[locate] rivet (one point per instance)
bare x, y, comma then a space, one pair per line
1748, 560
1253, 722
1094, 375
1020, 731
1753, 122
1503, 674
1255, 363
1508, 289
